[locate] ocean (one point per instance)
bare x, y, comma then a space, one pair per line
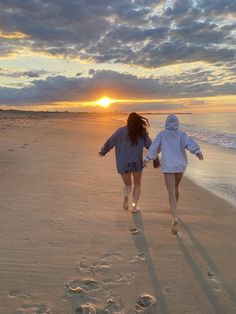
216, 134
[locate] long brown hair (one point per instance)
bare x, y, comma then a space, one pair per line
137, 127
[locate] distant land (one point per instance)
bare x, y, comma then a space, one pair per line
62, 114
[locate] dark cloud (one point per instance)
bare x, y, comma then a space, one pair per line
143, 32
116, 85
17, 74
218, 7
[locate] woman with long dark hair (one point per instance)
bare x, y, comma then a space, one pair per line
129, 142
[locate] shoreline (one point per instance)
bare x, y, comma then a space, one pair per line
216, 194
62, 228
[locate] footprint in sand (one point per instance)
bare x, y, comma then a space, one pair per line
141, 256
86, 268
79, 286
17, 293
102, 265
145, 302
113, 305
14, 293
120, 279
215, 282
134, 231
166, 289
11, 150
33, 308
89, 309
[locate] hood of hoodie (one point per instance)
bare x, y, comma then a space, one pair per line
172, 122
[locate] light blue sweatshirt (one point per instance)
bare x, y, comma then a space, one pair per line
172, 143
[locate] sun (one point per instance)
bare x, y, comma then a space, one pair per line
104, 102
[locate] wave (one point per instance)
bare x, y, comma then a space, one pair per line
223, 139
227, 140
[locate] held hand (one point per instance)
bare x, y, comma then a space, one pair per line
156, 163
200, 156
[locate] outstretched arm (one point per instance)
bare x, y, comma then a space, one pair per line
193, 147
110, 143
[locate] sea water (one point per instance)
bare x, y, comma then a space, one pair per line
216, 135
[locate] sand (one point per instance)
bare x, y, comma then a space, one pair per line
67, 246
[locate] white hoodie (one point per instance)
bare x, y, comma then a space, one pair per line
172, 143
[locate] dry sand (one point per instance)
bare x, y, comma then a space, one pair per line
66, 246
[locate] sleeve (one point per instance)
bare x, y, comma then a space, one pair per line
191, 145
154, 149
147, 142
109, 144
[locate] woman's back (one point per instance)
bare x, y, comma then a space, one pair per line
128, 155
172, 143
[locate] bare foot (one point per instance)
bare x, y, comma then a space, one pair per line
126, 203
174, 228
135, 209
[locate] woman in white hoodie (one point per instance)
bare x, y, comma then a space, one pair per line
172, 143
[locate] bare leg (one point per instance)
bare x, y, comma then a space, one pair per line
137, 190
170, 185
178, 178
126, 177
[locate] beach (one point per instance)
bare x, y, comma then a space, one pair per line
68, 247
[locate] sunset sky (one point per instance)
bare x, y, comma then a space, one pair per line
146, 55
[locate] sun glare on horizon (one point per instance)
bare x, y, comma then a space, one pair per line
104, 102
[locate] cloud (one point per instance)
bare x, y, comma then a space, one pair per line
115, 85
145, 106
143, 32
218, 7
4, 72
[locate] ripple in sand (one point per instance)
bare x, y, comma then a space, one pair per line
145, 301
17, 293
33, 308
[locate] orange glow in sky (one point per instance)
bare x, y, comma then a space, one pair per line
104, 102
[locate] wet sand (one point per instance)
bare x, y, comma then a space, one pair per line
67, 246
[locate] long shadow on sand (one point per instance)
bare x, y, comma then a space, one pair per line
207, 289
142, 246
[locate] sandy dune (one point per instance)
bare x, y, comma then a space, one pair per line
68, 247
